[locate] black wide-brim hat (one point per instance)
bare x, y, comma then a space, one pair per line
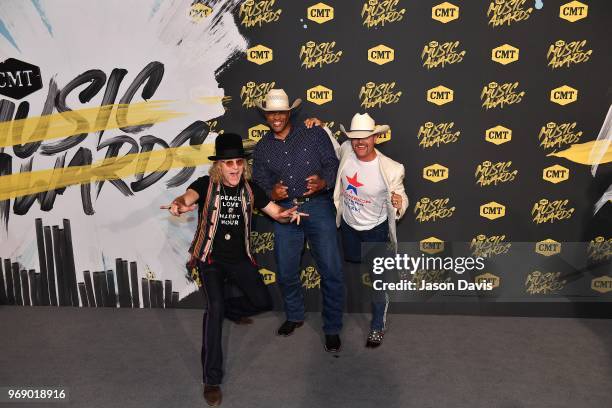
228, 146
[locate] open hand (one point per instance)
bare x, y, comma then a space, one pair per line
293, 215
314, 184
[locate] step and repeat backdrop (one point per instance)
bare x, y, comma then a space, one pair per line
497, 109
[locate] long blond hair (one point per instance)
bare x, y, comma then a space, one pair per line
216, 174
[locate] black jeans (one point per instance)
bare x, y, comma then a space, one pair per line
256, 299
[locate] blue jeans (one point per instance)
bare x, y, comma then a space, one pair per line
319, 228
351, 244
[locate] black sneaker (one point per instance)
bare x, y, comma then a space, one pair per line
332, 343
288, 327
375, 338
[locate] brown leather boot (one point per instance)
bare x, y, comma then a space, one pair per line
213, 395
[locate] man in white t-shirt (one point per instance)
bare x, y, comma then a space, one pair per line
369, 198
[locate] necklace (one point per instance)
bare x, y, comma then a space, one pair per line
227, 235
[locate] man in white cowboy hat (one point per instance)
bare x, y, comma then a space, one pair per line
369, 199
296, 165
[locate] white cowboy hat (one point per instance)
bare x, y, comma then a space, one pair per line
362, 125
276, 100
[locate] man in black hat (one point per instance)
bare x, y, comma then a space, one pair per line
220, 249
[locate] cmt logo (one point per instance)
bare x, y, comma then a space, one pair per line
498, 135
257, 132
505, 54
269, 277
19, 79
320, 13
259, 54
383, 137
199, 11
488, 277
440, 95
492, 210
573, 11
548, 247
603, 284
555, 174
564, 95
436, 172
319, 95
445, 12
431, 245
381, 54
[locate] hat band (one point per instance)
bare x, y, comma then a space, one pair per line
268, 105
231, 153
361, 130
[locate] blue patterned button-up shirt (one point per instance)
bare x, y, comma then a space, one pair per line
303, 153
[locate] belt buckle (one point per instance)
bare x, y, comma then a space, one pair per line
300, 200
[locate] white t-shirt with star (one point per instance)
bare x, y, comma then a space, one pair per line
364, 194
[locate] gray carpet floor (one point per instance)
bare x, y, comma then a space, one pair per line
151, 358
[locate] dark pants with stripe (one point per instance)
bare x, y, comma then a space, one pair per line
351, 243
256, 299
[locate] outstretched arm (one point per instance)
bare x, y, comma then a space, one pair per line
310, 122
283, 215
183, 203
327, 156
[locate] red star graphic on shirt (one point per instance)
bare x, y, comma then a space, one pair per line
353, 183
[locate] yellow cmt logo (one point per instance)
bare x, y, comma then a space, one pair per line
257, 132
498, 135
603, 284
259, 54
319, 95
492, 210
440, 95
269, 277
555, 174
381, 54
548, 247
320, 13
573, 11
445, 12
564, 95
436, 172
383, 137
488, 277
199, 11
505, 54
431, 245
